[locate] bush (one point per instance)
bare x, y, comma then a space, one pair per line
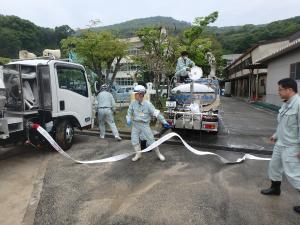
4, 60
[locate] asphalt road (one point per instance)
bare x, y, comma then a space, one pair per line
185, 189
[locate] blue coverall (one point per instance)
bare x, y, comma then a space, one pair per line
182, 65
141, 114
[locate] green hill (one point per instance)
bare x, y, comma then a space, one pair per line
239, 38
128, 28
17, 34
234, 39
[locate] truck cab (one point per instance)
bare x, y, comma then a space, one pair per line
53, 93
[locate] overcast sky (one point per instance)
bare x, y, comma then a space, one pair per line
77, 14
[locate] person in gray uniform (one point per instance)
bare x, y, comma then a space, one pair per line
106, 107
286, 152
183, 66
139, 115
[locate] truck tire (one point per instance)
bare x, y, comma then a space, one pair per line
64, 134
215, 132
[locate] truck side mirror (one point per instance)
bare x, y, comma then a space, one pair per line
96, 86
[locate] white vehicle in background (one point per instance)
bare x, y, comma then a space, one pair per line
53, 93
227, 91
122, 94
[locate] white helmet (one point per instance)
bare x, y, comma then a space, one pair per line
139, 89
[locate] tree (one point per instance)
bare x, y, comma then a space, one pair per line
199, 24
158, 54
17, 34
10, 44
98, 51
198, 44
62, 32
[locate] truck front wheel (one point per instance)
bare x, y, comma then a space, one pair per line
64, 134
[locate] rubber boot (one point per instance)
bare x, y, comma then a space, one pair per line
138, 154
297, 209
159, 155
273, 190
118, 138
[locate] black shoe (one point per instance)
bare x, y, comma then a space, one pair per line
297, 209
273, 190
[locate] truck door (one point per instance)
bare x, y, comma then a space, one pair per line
73, 93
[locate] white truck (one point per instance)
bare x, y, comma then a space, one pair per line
194, 104
53, 93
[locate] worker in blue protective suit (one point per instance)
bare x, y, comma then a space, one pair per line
106, 108
286, 152
138, 116
183, 67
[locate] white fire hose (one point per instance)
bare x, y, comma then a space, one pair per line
45, 134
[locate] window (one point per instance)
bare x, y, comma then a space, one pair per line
45, 85
124, 81
72, 79
123, 67
134, 51
295, 71
298, 71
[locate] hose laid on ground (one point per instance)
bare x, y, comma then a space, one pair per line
149, 148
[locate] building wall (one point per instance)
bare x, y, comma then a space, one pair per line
278, 69
229, 59
128, 69
240, 77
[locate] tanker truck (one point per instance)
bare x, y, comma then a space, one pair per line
194, 103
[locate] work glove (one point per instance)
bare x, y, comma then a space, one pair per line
166, 125
128, 121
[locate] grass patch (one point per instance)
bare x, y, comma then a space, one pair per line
120, 118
